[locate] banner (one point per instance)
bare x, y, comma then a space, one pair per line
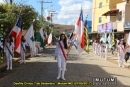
126, 25
107, 27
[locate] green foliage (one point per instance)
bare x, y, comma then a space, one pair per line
10, 13
55, 33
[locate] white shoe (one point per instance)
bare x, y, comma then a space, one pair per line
10, 68
119, 66
58, 77
63, 78
7, 68
123, 66
21, 62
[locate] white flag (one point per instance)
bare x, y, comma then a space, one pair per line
30, 38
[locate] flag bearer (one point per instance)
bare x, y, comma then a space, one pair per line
61, 55
98, 51
96, 46
23, 50
93, 45
120, 52
106, 50
8, 50
101, 49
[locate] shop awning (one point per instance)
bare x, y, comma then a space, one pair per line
111, 12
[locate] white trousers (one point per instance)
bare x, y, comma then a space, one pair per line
9, 60
22, 56
93, 49
121, 59
61, 65
101, 52
106, 54
36, 50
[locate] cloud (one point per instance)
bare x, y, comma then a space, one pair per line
2, 1
70, 10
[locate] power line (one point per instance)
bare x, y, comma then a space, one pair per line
90, 8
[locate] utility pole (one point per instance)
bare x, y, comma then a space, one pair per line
11, 1
52, 12
42, 2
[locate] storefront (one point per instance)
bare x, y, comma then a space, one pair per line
126, 30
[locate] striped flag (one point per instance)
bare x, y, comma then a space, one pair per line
112, 39
79, 32
86, 38
16, 33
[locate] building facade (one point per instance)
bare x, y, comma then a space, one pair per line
99, 7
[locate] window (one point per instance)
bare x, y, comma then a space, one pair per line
100, 5
100, 19
119, 16
106, 1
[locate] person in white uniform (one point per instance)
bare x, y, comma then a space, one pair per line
93, 45
1, 48
120, 52
60, 55
8, 50
23, 50
127, 52
101, 49
106, 50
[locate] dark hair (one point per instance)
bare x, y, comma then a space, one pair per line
9, 38
64, 41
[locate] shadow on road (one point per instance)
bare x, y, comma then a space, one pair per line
47, 72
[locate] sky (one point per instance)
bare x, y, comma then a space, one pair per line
66, 11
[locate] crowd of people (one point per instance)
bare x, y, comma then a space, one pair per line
7, 45
123, 50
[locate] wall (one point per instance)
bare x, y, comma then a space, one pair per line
127, 12
121, 7
97, 12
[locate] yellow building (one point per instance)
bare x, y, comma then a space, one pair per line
99, 9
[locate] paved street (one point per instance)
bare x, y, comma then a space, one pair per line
40, 70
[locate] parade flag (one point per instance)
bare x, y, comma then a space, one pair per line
50, 38
128, 39
103, 38
39, 37
109, 40
112, 39
16, 33
79, 32
29, 36
86, 37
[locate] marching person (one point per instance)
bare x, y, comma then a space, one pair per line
120, 52
101, 49
37, 45
127, 52
106, 50
1, 48
8, 50
61, 54
23, 50
93, 46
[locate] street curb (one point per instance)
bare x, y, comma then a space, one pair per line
2, 66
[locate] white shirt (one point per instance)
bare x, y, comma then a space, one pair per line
128, 50
117, 42
1, 44
24, 44
58, 49
11, 47
121, 48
